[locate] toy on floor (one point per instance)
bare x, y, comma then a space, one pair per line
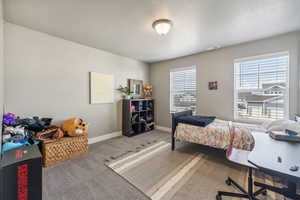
75, 127
149, 125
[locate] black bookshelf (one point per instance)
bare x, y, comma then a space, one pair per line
138, 116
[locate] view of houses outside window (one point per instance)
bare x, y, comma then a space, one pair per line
183, 89
261, 88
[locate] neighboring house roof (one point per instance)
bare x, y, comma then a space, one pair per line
274, 87
271, 85
251, 96
260, 98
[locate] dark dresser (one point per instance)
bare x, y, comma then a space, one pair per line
138, 116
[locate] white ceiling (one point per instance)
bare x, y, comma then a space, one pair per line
124, 26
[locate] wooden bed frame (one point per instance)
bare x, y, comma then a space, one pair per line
174, 116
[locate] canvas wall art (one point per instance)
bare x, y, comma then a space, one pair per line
101, 88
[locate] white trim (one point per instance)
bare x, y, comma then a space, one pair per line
264, 56
162, 128
287, 94
176, 69
287, 89
104, 137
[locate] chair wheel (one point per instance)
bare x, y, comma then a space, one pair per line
218, 197
264, 192
228, 182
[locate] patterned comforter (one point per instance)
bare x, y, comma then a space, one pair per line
217, 134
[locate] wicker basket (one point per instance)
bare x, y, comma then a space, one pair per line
63, 149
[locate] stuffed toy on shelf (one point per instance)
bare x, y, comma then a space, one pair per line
147, 91
75, 127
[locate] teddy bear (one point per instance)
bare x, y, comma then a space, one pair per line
75, 127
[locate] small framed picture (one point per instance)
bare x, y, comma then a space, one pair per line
136, 88
213, 85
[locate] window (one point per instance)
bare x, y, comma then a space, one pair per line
261, 87
183, 89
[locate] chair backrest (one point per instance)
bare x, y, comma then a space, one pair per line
231, 140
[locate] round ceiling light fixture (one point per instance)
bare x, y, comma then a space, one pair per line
162, 26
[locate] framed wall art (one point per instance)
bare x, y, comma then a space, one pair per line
136, 88
213, 85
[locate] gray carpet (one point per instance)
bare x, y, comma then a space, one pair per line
87, 178
191, 172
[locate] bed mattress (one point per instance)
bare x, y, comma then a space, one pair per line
217, 134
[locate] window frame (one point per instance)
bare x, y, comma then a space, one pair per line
171, 84
236, 64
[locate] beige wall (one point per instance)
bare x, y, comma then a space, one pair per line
49, 77
1, 70
218, 66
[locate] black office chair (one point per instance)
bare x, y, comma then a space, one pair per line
240, 156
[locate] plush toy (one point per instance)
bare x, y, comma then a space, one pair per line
75, 127
147, 91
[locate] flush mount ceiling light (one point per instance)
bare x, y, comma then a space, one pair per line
162, 26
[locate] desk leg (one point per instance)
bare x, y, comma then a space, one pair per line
291, 188
250, 181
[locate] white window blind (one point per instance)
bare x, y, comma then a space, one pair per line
261, 87
183, 89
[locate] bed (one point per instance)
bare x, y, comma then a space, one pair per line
216, 134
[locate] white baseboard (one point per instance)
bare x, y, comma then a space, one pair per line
104, 137
162, 128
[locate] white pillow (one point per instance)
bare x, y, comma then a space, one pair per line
281, 125
297, 118
268, 124
276, 128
